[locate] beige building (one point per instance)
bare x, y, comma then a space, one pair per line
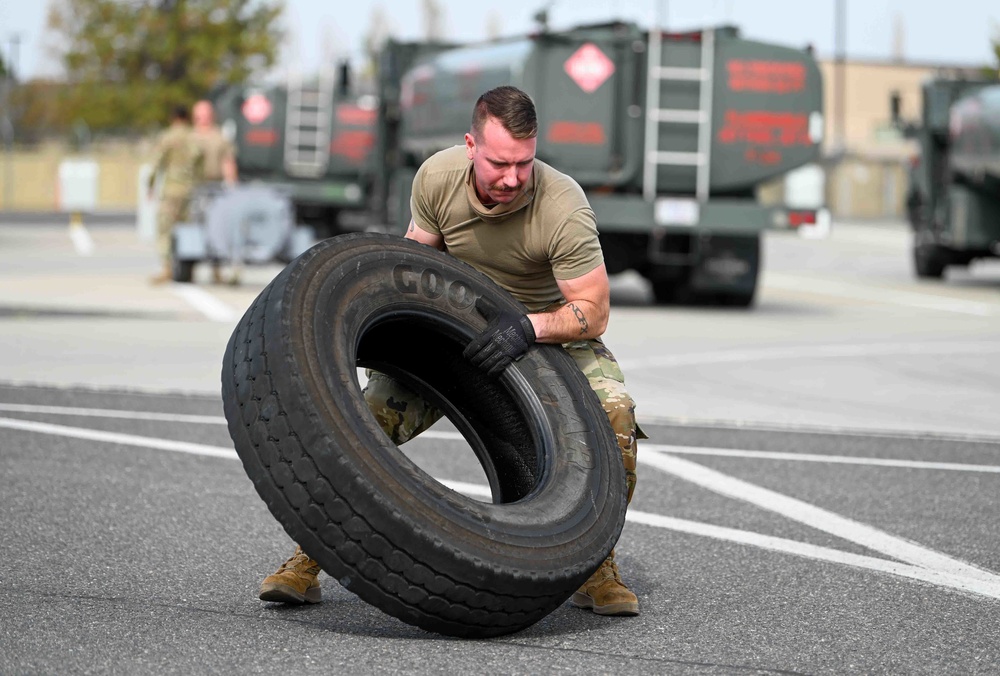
866, 154
29, 177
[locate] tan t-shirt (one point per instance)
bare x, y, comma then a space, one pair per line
217, 149
549, 232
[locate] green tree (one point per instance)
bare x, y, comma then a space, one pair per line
128, 62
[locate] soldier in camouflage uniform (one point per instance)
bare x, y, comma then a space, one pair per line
529, 228
179, 160
219, 163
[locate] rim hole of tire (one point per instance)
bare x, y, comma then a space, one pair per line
492, 415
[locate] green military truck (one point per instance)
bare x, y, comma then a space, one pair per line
953, 200
308, 138
670, 135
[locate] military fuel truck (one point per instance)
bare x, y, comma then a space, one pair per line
670, 135
953, 201
309, 138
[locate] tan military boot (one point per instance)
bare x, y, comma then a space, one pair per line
605, 593
295, 582
166, 275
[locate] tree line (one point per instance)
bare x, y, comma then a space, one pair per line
126, 63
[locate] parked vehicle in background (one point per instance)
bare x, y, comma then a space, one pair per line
953, 200
248, 224
669, 134
310, 138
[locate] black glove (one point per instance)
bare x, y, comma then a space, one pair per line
507, 337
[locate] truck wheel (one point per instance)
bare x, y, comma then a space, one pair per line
929, 261
671, 290
329, 223
375, 521
741, 298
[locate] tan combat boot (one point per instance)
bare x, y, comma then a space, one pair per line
605, 593
166, 275
295, 582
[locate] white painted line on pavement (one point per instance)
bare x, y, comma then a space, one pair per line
82, 241
118, 438
969, 437
987, 586
983, 437
826, 287
816, 517
771, 455
782, 545
812, 352
456, 436
818, 457
114, 413
472, 490
205, 303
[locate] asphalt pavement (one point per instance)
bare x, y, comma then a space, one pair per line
818, 494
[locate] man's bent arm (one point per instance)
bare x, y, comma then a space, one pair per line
585, 314
424, 237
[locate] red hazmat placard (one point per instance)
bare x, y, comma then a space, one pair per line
256, 108
589, 67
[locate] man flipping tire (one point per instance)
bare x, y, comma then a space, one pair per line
529, 228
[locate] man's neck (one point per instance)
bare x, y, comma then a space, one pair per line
485, 201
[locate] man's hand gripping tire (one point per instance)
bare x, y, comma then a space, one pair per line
507, 338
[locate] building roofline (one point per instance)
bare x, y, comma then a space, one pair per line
906, 63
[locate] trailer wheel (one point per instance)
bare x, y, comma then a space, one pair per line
182, 271
374, 520
929, 261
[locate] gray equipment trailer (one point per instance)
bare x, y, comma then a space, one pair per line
247, 224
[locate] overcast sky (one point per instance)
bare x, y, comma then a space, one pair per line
956, 31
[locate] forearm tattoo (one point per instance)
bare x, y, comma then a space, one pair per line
580, 317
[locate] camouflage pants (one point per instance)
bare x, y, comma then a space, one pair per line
171, 211
402, 414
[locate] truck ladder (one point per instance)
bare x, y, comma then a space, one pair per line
307, 126
656, 116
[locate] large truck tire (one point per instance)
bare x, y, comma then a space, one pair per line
672, 290
730, 270
374, 520
725, 272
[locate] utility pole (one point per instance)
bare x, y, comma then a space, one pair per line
839, 77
